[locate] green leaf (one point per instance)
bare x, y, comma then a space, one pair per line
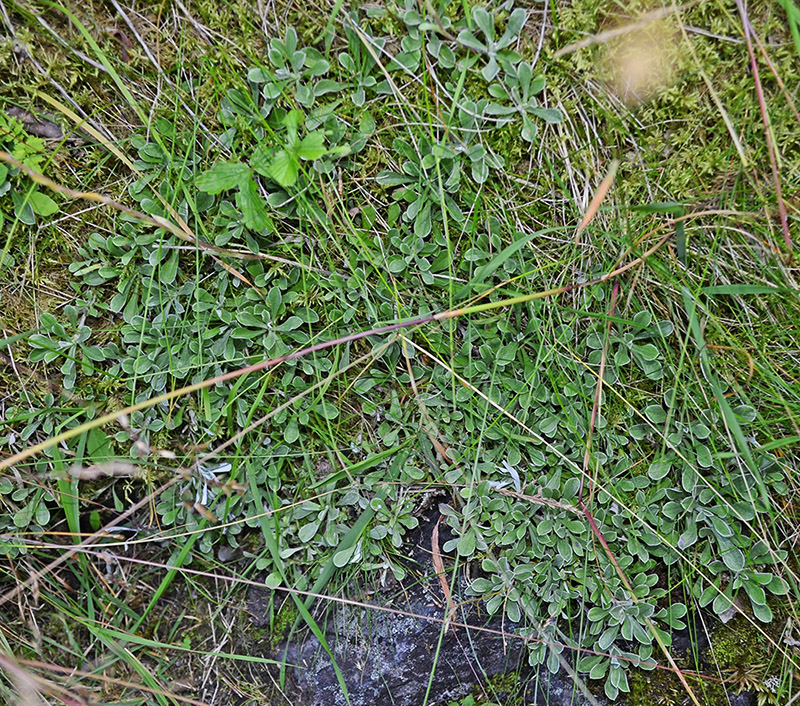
223, 176
343, 557
515, 22
480, 585
247, 318
537, 85
735, 289
756, 593
391, 179
292, 323
722, 528
94, 520
655, 413
647, 351
680, 241
607, 638
327, 410
169, 269
42, 204
293, 120
733, 558
308, 532
262, 160
485, 271
466, 543
422, 224
551, 116
22, 209
725, 408
671, 207
704, 457
94, 353
484, 21
762, 612
469, 40
659, 469
291, 432
745, 412
778, 586
252, 206
312, 146
284, 168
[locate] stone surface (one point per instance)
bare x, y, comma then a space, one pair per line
388, 658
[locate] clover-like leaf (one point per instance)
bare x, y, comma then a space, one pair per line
222, 176
312, 146
252, 206
284, 168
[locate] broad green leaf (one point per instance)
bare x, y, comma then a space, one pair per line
659, 469
551, 116
308, 532
23, 209
607, 638
291, 432
762, 612
655, 413
470, 41
293, 120
258, 75
422, 223
312, 146
284, 168
733, 558
223, 176
327, 410
343, 557
94, 353
704, 457
745, 412
42, 204
252, 206
778, 586
290, 324
391, 179
647, 351
756, 593
480, 585
168, 270
262, 160
537, 85
515, 22
466, 543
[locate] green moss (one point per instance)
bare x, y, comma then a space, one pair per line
736, 644
676, 141
500, 688
737, 650
280, 624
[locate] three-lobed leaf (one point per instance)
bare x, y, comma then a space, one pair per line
222, 177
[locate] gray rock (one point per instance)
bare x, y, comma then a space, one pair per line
388, 658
